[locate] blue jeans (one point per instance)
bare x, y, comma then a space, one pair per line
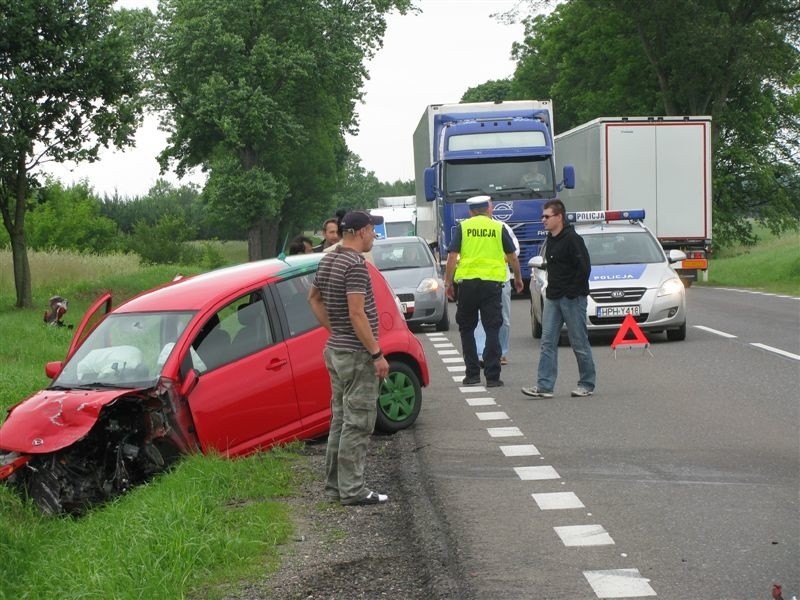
505, 328
557, 312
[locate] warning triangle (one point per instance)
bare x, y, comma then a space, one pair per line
629, 326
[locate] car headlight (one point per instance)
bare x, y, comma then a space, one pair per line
428, 285
671, 286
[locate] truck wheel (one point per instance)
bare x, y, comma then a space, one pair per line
677, 335
687, 283
444, 322
399, 399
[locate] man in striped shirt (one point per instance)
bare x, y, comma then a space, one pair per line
342, 300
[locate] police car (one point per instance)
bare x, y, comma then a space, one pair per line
630, 274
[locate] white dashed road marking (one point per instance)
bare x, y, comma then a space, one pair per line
613, 583
497, 432
584, 535
714, 331
492, 416
472, 389
777, 351
537, 473
619, 583
520, 450
558, 501
480, 401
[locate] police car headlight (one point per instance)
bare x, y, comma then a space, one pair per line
428, 285
671, 286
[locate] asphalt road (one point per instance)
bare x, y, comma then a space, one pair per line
678, 479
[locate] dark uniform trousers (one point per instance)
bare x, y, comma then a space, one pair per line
485, 297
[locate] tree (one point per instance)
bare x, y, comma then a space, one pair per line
495, 90
70, 85
259, 93
70, 219
737, 61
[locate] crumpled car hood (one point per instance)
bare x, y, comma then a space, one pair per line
53, 419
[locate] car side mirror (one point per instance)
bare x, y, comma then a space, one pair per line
674, 256
52, 369
189, 382
537, 262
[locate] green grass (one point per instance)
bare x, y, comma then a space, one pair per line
205, 524
773, 265
208, 522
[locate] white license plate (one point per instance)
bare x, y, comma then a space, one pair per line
617, 311
407, 307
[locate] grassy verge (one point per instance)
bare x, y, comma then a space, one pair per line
207, 522
772, 266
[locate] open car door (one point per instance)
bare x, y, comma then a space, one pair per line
96, 313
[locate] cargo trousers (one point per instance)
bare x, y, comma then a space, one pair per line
354, 399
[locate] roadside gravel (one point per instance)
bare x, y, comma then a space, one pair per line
396, 550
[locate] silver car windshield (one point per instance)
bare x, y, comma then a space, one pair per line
126, 350
623, 248
408, 255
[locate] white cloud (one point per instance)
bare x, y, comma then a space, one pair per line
428, 58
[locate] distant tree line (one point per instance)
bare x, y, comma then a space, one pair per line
157, 225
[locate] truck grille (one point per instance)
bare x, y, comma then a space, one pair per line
607, 295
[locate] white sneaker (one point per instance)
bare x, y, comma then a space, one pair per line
581, 392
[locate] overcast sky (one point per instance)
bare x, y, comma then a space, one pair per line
428, 58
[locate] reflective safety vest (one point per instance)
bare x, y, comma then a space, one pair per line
482, 254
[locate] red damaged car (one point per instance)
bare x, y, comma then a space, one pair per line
229, 361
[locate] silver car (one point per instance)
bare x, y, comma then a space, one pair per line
631, 274
410, 268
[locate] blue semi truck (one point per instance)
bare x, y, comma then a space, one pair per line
503, 149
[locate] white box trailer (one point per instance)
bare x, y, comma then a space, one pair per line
660, 164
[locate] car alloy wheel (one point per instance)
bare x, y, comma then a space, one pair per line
399, 399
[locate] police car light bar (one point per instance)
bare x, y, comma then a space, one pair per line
606, 215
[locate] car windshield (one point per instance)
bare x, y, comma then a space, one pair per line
126, 350
401, 255
622, 248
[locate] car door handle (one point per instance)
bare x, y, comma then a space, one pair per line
277, 364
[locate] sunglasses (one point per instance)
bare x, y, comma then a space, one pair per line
545, 217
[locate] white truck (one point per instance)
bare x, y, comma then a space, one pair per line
660, 164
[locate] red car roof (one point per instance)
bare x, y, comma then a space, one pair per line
193, 293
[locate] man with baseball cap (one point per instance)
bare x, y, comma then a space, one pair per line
342, 299
485, 247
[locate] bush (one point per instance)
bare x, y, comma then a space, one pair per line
164, 242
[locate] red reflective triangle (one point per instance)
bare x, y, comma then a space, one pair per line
629, 325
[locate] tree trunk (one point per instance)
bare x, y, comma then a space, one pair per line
262, 240
22, 269
254, 242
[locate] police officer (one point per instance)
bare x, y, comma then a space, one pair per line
484, 246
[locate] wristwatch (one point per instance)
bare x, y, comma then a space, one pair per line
377, 356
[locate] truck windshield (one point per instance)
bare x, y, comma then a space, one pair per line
528, 177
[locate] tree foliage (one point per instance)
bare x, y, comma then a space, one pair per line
259, 93
736, 61
70, 85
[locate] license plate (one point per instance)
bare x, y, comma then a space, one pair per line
617, 311
407, 307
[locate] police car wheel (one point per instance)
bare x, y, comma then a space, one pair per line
677, 335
